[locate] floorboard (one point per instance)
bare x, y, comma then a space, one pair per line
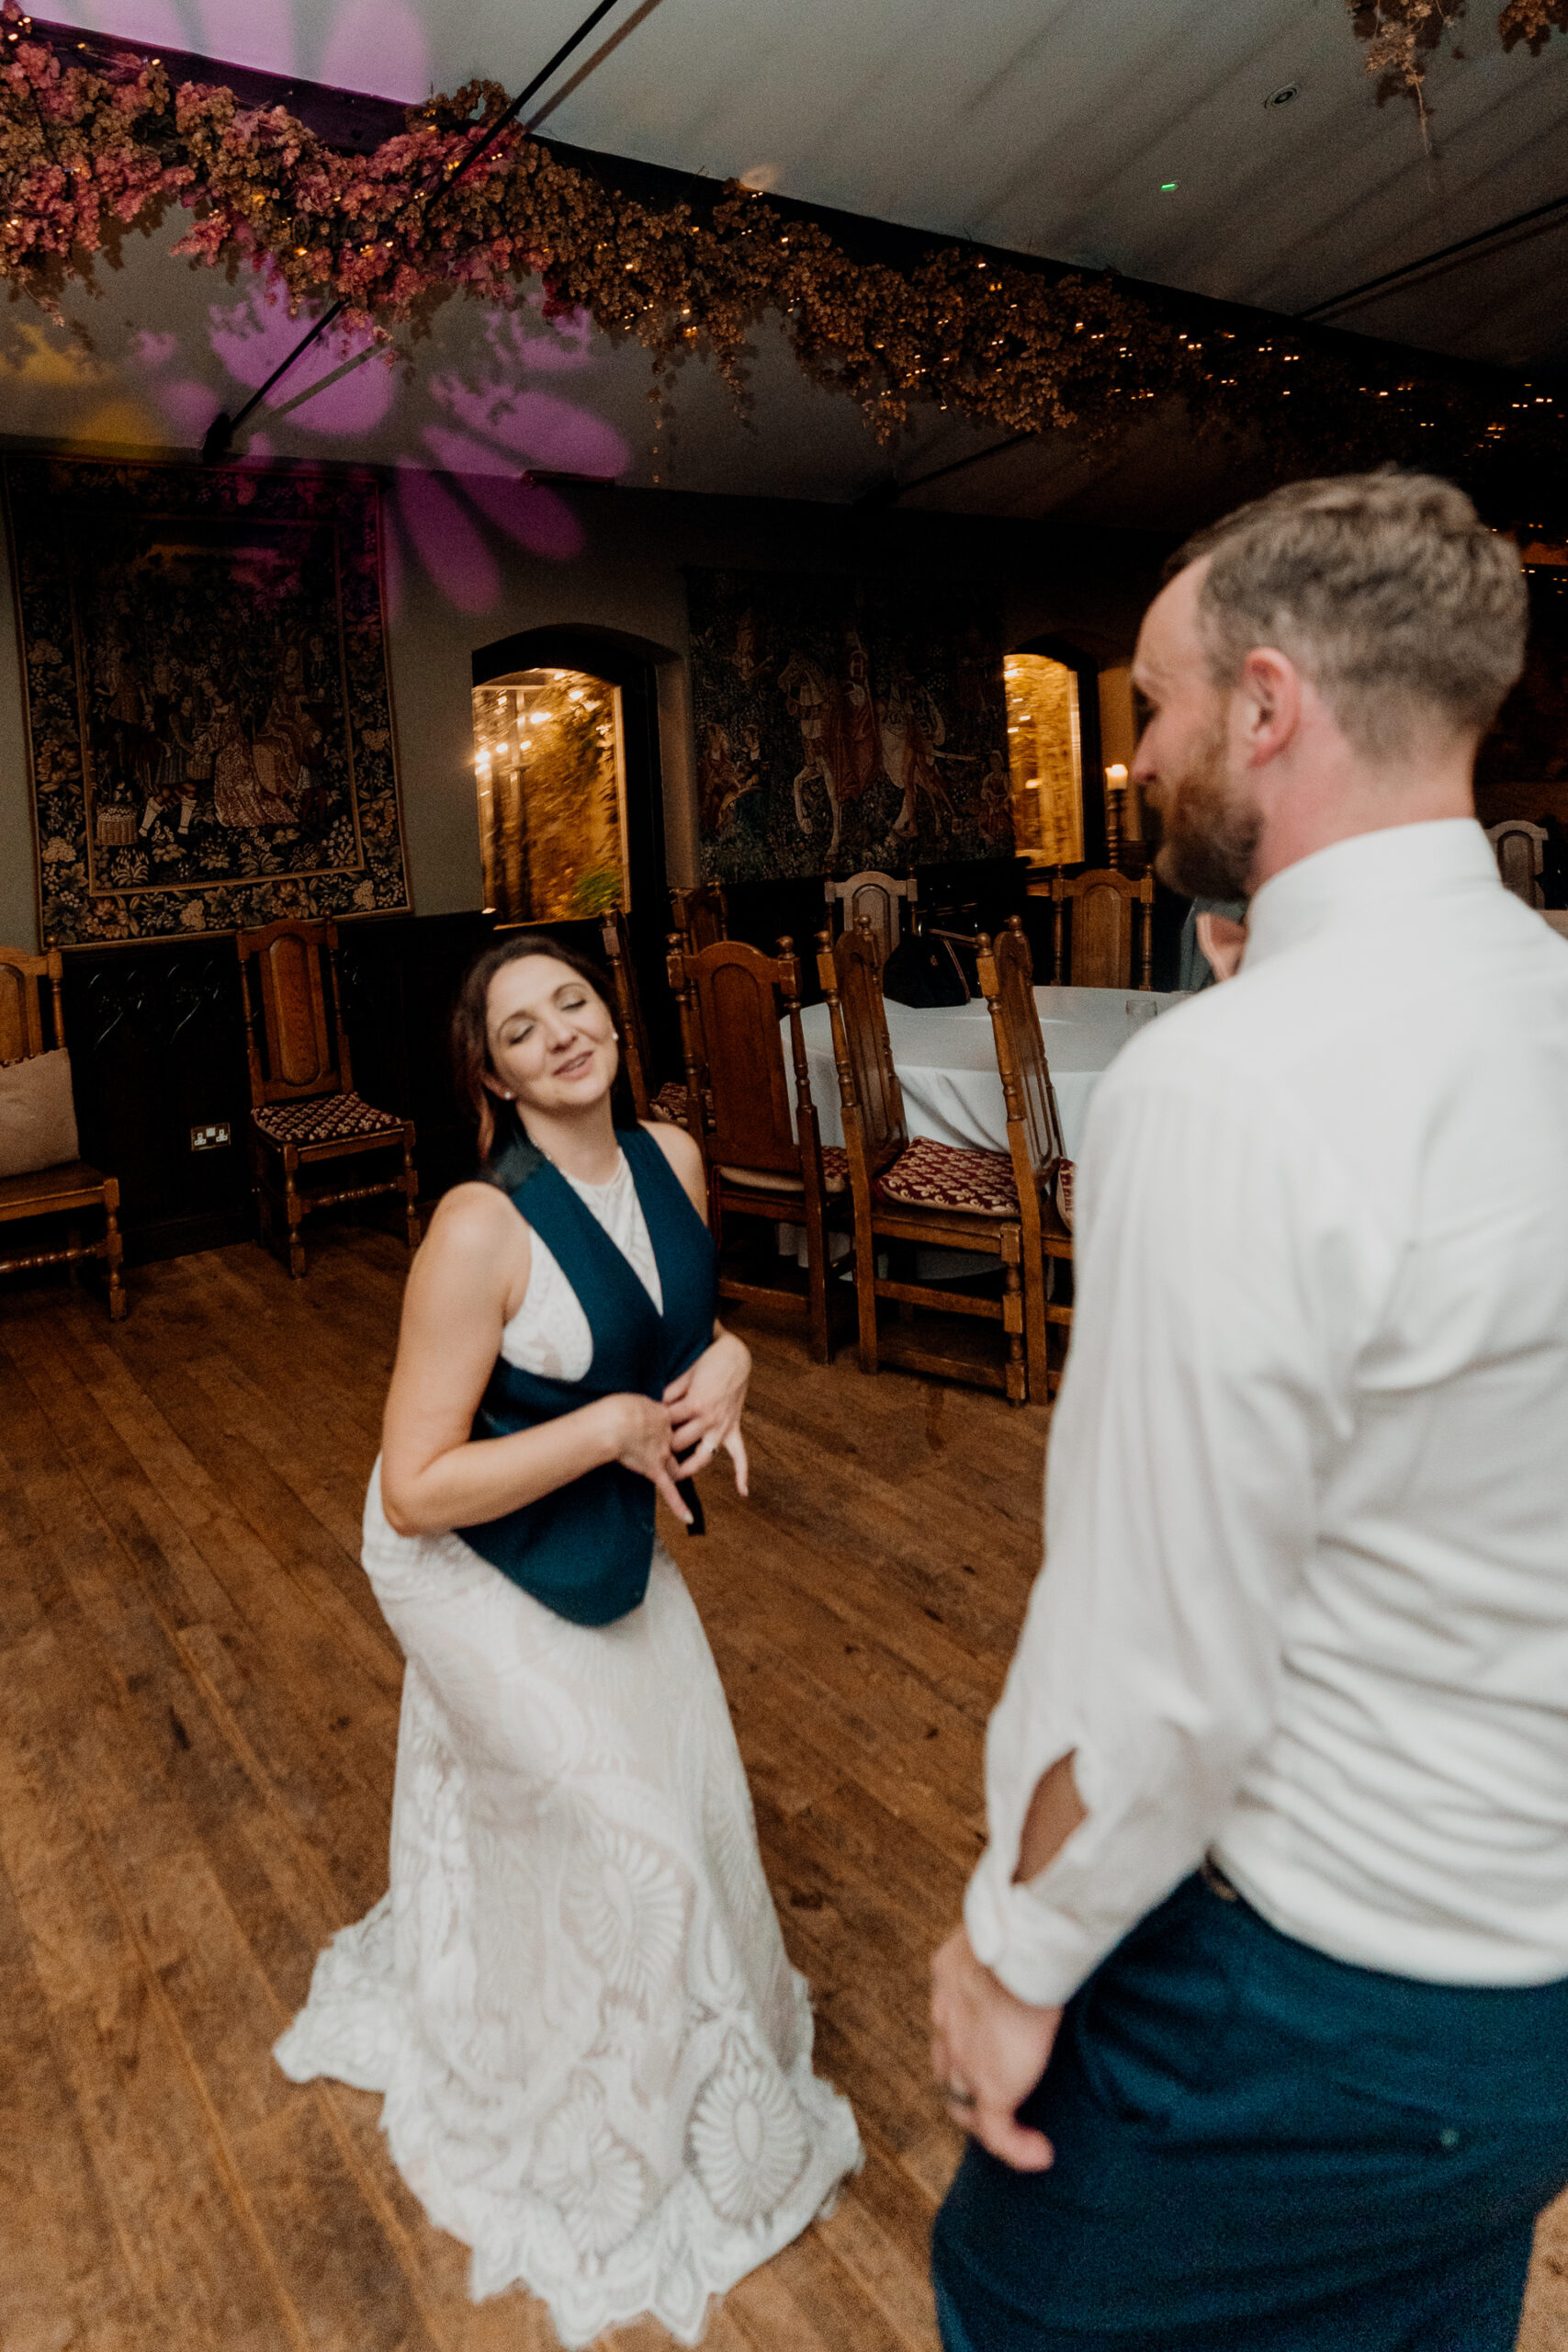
198, 1726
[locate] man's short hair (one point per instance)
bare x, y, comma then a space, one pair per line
1385, 589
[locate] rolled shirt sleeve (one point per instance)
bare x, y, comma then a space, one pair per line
1219, 1289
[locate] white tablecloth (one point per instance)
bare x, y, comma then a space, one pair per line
946, 1062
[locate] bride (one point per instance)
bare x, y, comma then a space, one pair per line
594, 2054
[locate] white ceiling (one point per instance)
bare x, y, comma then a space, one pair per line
1048, 125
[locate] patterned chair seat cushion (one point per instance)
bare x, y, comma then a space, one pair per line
324, 1118
835, 1175
669, 1105
947, 1176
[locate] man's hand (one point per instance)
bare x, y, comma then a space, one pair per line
988, 2050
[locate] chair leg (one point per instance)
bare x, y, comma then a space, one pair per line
293, 1211
1035, 1325
816, 1282
73, 1263
1012, 1324
865, 1298
411, 1191
114, 1252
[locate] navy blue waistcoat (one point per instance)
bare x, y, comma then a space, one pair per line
585, 1550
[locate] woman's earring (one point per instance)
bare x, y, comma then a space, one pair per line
508, 1098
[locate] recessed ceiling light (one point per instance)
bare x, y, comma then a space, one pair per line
1284, 95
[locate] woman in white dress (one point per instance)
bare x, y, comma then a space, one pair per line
594, 2054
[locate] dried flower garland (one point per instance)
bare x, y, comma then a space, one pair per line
84, 154
1402, 34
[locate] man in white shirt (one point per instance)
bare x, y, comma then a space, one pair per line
1259, 2017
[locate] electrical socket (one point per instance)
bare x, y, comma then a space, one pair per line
211, 1138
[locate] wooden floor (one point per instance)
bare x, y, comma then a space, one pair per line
198, 1718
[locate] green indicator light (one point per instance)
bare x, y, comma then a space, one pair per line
1168, 187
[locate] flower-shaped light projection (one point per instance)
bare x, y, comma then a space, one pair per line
463, 442
379, 44
252, 336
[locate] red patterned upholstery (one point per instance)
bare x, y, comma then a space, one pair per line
669, 1105
324, 1118
943, 1176
835, 1175
1064, 1193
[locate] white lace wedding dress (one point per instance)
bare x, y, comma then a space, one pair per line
594, 2054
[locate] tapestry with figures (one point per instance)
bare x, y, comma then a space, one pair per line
843, 723
208, 719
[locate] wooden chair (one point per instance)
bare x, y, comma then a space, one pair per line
700, 914
1519, 848
912, 1194
71, 1186
1101, 929
668, 1103
733, 1001
1040, 1168
304, 1112
879, 898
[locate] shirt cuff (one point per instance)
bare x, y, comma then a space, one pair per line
1040, 1953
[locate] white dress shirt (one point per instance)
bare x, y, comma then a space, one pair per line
1305, 1594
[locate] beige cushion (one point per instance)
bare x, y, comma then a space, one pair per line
835, 1175
37, 1118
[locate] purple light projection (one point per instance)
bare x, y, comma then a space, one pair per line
387, 30
373, 45
460, 480
449, 547
153, 21
250, 32
252, 336
539, 426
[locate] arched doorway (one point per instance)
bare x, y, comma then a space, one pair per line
570, 806
1055, 753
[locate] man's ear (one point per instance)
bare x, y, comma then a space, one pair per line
1269, 697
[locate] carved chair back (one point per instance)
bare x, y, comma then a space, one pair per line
1102, 927
629, 1009
732, 999
850, 970
292, 1045
1007, 983
876, 897
1520, 851
23, 1030
700, 914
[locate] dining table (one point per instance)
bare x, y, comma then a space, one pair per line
946, 1061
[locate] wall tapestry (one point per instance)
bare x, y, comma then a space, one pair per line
845, 723
208, 719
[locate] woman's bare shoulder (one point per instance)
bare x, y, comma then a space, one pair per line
474, 1221
678, 1147
475, 1258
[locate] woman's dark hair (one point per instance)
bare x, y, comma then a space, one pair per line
470, 1034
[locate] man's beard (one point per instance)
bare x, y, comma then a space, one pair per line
1209, 835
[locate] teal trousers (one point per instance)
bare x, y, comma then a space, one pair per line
1262, 2149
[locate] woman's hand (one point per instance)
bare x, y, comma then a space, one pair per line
706, 1405
642, 1436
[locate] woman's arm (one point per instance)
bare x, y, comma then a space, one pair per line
708, 1399
470, 1274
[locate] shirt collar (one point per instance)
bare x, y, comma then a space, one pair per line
1400, 863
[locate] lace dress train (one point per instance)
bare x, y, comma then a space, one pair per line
594, 2055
